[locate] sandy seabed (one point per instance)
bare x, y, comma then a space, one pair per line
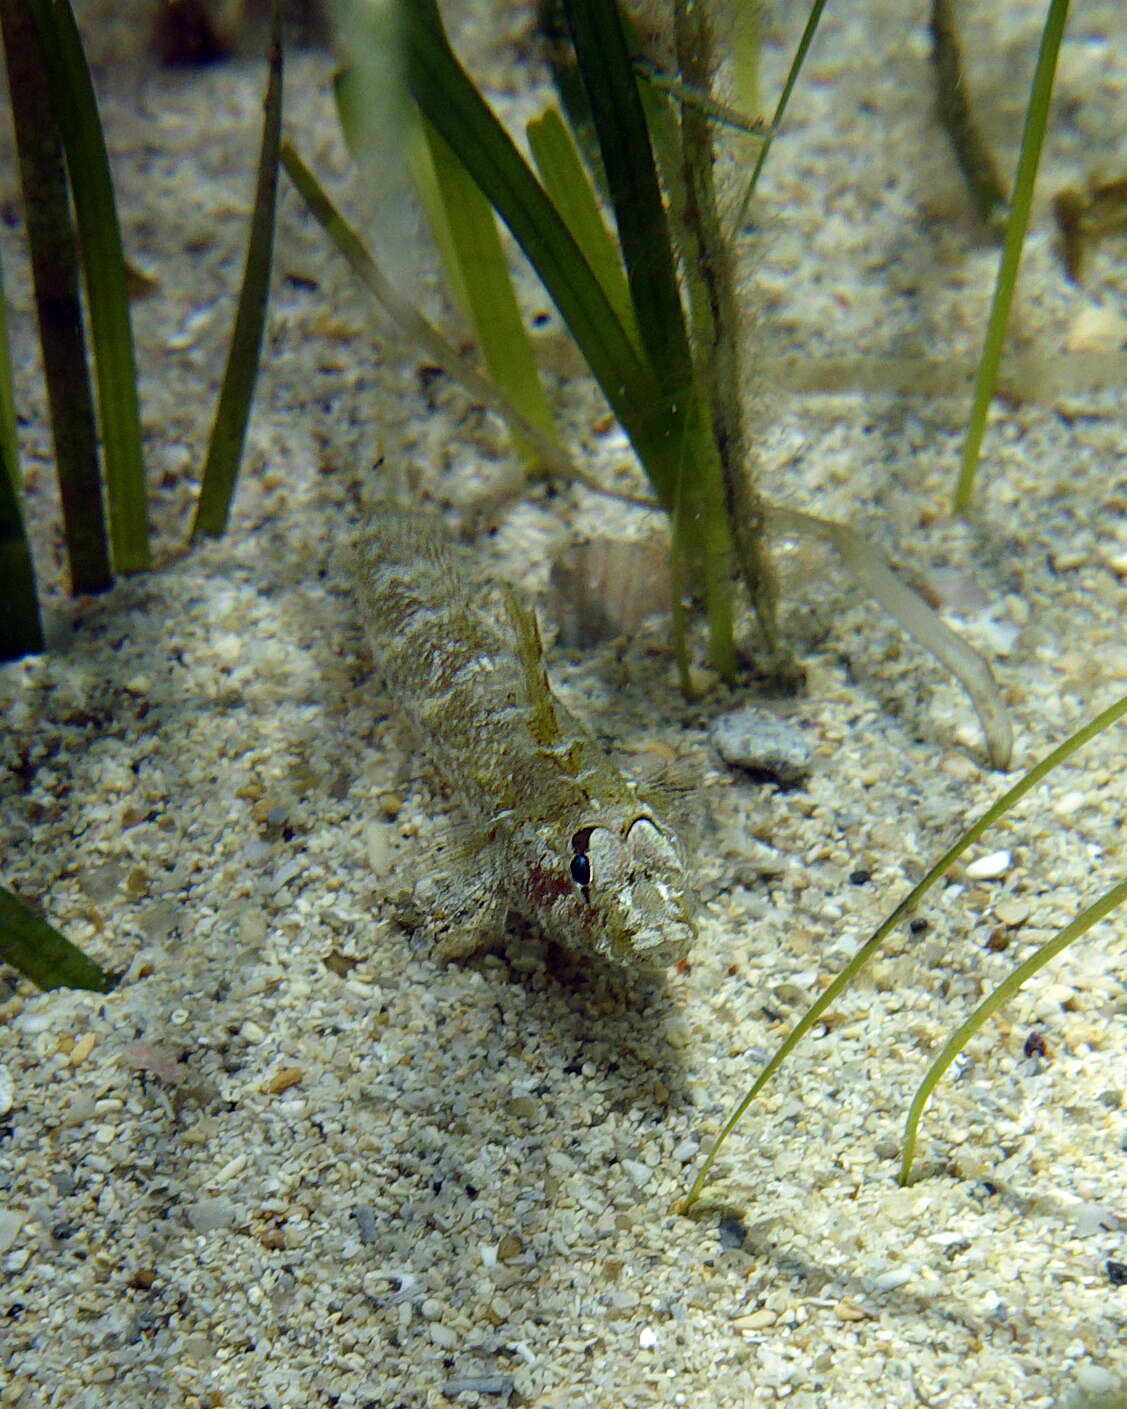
292, 1160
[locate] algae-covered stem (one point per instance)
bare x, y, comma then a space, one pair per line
716, 328
976, 161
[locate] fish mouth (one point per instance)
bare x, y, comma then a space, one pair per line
658, 949
677, 944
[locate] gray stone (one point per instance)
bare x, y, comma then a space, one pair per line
766, 746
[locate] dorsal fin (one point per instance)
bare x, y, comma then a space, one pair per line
543, 723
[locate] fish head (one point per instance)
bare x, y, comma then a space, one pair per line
637, 903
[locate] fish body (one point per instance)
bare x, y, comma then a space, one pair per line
564, 838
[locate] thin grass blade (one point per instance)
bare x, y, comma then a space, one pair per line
54, 267
358, 122
561, 170
448, 98
551, 25
660, 116
411, 323
107, 292
956, 116
9, 447
21, 632
918, 620
1109, 901
746, 24
1032, 138
483, 275
808, 32
435, 212
41, 953
639, 209
356, 125
232, 415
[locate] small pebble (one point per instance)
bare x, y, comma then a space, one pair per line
1068, 804
365, 1224
1096, 329
1117, 561
1090, 1219
378, 847
10, 1224
389, 1287
755, 1320
640, 1173
989, 867
850, 1311
732, 1233
160, 1062
391, 804
893, 1278
283, 1080
209, 1215
1011, 912
7, 1091
232, 1168
1094, 1379
1035, 1045
509, 1248
769, 748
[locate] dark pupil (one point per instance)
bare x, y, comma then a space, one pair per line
580, 869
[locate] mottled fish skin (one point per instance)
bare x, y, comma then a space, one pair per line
566, 841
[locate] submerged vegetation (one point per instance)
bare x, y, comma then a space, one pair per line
867, 951
79, 265
98, 452
654, 313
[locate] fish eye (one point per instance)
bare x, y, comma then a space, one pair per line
580, 861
